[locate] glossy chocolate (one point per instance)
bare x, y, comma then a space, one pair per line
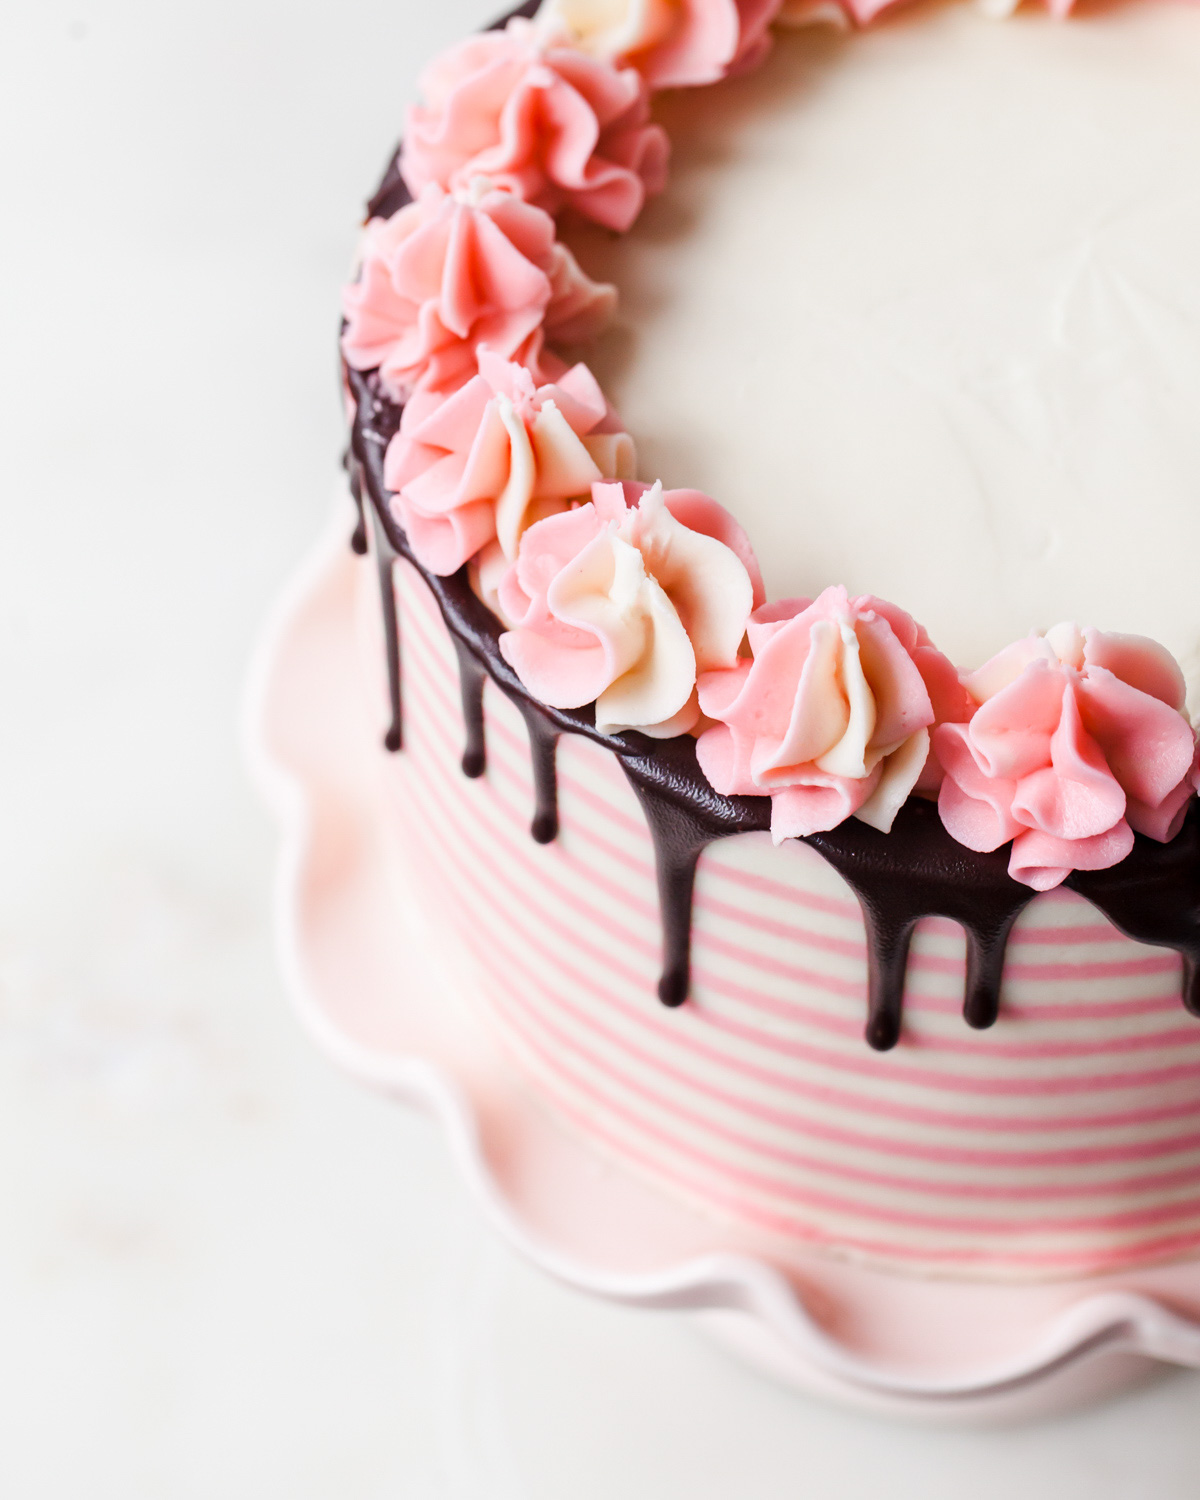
916, 871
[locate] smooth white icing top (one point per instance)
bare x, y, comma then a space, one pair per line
921, 306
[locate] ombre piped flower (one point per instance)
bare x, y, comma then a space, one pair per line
556, 127
484, 464
623, 604
450, 272
672, 43
863, 12
831, 717
1079, 740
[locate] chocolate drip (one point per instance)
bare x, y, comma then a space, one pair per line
543, 758
987, 943
472, 675
392, 193
918, 871
888, 939
358, 537
899, 878
385, 561
915, 871
1152, 897
679, 841
529, 9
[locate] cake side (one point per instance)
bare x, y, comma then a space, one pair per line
562, 634
920, 307
1064, 1140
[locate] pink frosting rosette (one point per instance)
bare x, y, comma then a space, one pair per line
1079, 740
672, 43
624, 604
555, 126
483, 464
862, 12
450, 272
831, 717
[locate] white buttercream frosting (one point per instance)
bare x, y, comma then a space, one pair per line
922, 309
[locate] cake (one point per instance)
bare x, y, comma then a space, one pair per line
868, 938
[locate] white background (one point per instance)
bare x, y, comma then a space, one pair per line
225, 1272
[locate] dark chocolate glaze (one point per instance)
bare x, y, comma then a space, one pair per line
1153, 895
543, 760
358, 537
385, 562
472, 676
915, 871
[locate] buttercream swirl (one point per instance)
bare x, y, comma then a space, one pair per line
672, 43
624, 604
831, 716
646, 602
483, 464
555, 126
451, 271
1079, 740
863, 12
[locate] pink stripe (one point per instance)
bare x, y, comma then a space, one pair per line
1154, 963
1068, 970
1141, 1185
713, 1196
642, 908
947, 1119
830, 905
993, 1087
855, 990
918, 1037
990, 1087
855, 948
1068, 936
875, 1144
610, 888
683, 1039
916, 1004
654, 1129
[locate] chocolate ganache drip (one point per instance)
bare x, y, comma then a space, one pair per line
916, 871
472, 677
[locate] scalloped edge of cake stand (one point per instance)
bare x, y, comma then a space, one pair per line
891, 1343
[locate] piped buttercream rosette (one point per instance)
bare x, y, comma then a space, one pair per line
1079, 740
650, 604
483, 464
863, 12
672, 43
830, 717
557, 127
452, 271
625, 604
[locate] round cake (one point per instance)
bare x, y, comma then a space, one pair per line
856, 933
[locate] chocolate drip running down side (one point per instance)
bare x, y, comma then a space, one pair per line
358, 537
899, 878
914, 872
472, 677
543, 760
385, 561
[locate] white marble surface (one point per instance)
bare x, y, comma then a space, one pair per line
223, 1270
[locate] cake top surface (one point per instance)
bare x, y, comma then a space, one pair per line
918, 310
920, 306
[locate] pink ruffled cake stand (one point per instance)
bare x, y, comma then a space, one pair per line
366, 992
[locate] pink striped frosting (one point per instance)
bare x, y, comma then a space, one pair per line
1065, 1140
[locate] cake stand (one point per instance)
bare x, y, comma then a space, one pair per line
366, 990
